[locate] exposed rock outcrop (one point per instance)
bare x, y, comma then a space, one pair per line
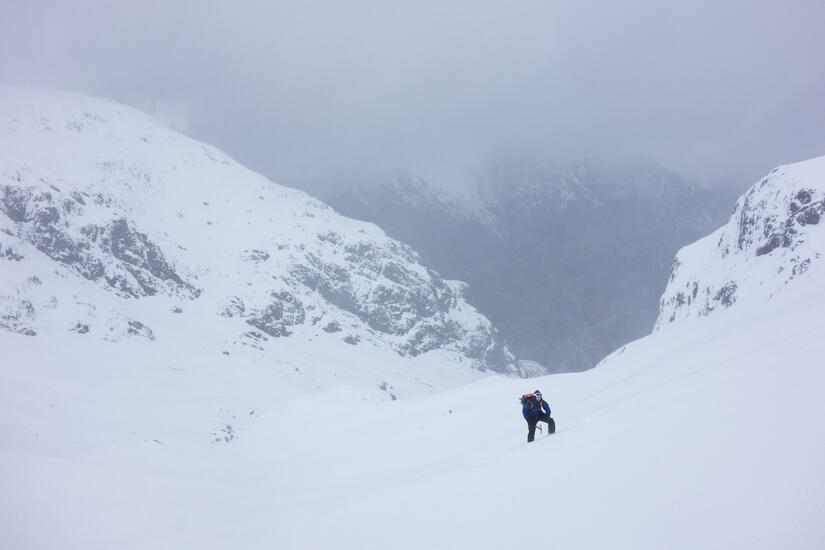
774, 236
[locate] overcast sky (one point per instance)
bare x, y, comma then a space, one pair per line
316, 93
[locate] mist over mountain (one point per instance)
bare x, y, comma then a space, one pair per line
569, 261
313, 93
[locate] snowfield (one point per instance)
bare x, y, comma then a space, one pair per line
140, 411
704, 437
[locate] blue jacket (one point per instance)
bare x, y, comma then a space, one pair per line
533, 406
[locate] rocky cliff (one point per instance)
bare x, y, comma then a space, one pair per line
774, 236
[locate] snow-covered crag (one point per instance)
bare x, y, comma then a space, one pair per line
773, 237
112, 226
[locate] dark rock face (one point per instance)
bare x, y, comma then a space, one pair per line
126, 260
810, 216
234, 307
768, 232
139, 255
284, 311
775, 242
428, 337
16, 200
727, 294
712, 297
17, 315
136, 328
10, 254
380, 285
332, 327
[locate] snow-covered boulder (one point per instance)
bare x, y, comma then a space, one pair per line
775, 235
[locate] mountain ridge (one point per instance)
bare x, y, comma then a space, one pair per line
140, 215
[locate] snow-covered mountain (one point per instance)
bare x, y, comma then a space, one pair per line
113, 227
773, 237
569, 262
705, 435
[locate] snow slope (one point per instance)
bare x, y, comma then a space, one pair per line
708, 437
705, 435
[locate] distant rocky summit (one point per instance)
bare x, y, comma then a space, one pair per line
112, 226
775, 235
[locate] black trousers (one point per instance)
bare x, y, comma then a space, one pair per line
533, 420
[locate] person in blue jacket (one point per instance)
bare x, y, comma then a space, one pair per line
535, 410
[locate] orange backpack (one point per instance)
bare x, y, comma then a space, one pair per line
524, 398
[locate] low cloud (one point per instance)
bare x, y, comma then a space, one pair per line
322, 93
